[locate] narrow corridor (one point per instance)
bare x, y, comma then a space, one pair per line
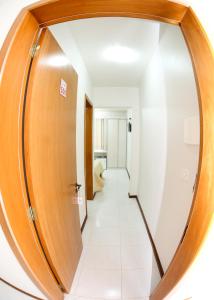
116, 262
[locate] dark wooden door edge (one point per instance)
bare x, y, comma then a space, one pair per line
132, 196
19, 290
88, 148
156, 255
84, 223
128, 173
86, 217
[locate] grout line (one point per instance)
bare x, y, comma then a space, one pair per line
83, 256
121, 270
89, 234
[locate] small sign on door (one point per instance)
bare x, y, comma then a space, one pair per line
63, 88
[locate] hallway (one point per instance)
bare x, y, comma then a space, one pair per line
116, 262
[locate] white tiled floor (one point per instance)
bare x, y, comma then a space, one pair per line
116, 262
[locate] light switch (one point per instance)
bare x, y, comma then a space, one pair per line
185, 174
192, 131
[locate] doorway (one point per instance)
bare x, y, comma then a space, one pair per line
110, 137
194, 35
89, 190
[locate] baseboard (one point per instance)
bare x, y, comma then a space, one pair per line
86, 217
132, 196
128, 173
19, 290
83, 224
156, 255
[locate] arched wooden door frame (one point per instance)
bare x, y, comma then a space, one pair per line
17, 50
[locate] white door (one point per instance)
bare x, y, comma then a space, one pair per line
116, 143
122, 143
112, 143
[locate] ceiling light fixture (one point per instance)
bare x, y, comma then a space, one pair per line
120, 54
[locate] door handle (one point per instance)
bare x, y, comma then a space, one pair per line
77, 186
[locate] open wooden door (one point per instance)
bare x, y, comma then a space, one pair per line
50, 157
89, 189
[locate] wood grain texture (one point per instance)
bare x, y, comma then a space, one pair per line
89, 150
202, 212
203, 61
15, 60
52, 12
50, 152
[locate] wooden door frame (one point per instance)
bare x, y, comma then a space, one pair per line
17, 48
89, 189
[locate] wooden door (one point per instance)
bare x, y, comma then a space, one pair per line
89, 189
50, 158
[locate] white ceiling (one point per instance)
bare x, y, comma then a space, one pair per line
93, 36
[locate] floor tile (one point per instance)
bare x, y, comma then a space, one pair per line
70, 297
78, 272
105, 236
99, 284
103, 257
135, 257
86, 235
133, 237
116, 259
135, 284
102, 221
144, 298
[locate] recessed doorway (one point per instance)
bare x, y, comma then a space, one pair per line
89, 191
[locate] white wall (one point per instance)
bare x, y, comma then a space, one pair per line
16, 275
197, 284
124, 98
8, 12
11, 270
9, 293
129, 142
168, 165
109, 114
116, 97
182, 158
204, 9
67, 43
153, 141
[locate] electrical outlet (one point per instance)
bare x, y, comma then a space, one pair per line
185, 174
